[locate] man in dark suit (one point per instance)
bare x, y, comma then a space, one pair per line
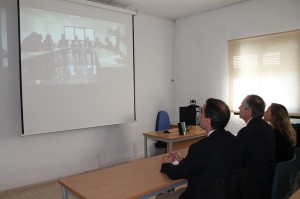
216, 156
258, 144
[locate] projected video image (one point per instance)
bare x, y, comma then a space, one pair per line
65, 49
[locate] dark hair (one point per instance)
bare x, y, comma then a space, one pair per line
257, 105
218, 112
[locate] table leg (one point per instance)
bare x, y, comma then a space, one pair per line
170, 147
64, 193
145, 147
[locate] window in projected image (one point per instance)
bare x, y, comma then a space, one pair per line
75, 55
3, 39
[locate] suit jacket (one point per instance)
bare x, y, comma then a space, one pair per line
258, 146
211, 158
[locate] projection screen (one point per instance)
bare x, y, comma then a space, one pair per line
77, 66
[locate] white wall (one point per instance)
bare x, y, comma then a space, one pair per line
201, 66
38, 158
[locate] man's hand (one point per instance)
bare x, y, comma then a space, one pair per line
167, 159
176, 156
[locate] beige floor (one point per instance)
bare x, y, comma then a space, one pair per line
52, 190
48, 190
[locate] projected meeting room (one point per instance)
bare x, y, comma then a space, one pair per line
76, 59
59, 48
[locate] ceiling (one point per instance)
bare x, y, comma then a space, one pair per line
171, 9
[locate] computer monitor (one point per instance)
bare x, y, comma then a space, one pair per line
189, 115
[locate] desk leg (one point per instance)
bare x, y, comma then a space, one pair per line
170, 147
145, 147
64, 193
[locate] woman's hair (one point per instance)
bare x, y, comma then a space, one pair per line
281, 121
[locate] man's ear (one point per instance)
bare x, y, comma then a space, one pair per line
250, 112
208, 121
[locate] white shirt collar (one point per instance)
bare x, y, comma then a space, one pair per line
249, 120
210, 133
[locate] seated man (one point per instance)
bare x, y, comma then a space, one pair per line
216, 156
257, 139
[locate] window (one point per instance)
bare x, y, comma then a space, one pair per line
81, 33
268, 66
3, 39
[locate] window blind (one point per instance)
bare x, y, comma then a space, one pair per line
268, 66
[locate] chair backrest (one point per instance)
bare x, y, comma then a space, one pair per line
297, 161
240, 184
297, 129
282, 179
162, 121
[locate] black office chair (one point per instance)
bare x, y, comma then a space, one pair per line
238, 185
162, 123
296, 173
297, 129
297, 161
282, 182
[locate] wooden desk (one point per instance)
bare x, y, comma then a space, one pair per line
137, 179
182, 141
295, 195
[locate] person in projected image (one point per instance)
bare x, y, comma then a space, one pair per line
49, 62
258, 144
33, 42
108, 44
97, 46
48, 42
88, 52
30, 47
216, 156
76, 51
63, 45
98, 43
115, 49
285, 135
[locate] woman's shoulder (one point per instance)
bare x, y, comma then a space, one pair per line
281, 136
279, 133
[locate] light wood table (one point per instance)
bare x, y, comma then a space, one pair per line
295, 195
173, 139
136, 179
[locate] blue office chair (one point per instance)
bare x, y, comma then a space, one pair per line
162, 123
283, 179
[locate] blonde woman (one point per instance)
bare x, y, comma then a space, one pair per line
285, 135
